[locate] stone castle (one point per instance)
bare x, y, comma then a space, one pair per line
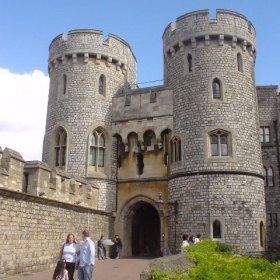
198, 154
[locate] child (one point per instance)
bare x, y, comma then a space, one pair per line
60, 273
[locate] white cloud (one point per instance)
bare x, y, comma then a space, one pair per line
23, 110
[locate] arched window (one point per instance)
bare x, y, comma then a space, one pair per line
216, 89
176, 149
217, 230
149, 140
262, 234
97, 149
102, 85
265, 177
270, 177
190, 63
239, 63
61, 148
219, 143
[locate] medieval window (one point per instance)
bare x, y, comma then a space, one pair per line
264, 134
101, 86
140, 164
64, 84
239, 63
97, 149
216, 89
262, 234
62, 89
270, 177
176, 149
165, 139
272, 220
219, 143
265, 176
149, 140
217, 230
60, 148
190, 63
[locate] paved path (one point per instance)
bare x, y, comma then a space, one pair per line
123, 269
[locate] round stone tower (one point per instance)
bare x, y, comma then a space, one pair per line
85, 73
216, 173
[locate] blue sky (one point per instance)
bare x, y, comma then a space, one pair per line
27, 28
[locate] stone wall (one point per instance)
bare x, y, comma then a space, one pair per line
268, 101
34, 228
38, 179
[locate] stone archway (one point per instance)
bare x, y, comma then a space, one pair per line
140, 226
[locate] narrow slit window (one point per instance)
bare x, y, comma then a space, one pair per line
190, 63
239, 63
101, 88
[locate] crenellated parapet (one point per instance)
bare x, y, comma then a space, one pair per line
38, 179
142, 109
85, 46
197, 27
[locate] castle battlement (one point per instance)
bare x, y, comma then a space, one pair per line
197, 26
89, 43
38, 179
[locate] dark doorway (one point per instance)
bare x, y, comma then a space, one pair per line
145, 231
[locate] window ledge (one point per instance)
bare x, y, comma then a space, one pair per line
95, 174
221, 159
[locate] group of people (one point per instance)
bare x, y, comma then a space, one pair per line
190, 240
73, 257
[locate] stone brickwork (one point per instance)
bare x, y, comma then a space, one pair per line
38, 179
214, 46
156, 139
33, 230
268, 103
76, 105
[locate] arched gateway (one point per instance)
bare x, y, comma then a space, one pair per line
140, 227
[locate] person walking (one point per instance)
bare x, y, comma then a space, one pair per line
119, 247
69, 252
85, 262
100, 248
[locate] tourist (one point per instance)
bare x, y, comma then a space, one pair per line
100, 248
85, 261
198, 238
60, 273
191, 240
185, 242
119, 247
69, 252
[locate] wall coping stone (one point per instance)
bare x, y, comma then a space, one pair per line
47, 201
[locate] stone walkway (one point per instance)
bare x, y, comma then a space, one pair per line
123, 269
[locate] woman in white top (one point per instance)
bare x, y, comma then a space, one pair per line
185, 241
69, 252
